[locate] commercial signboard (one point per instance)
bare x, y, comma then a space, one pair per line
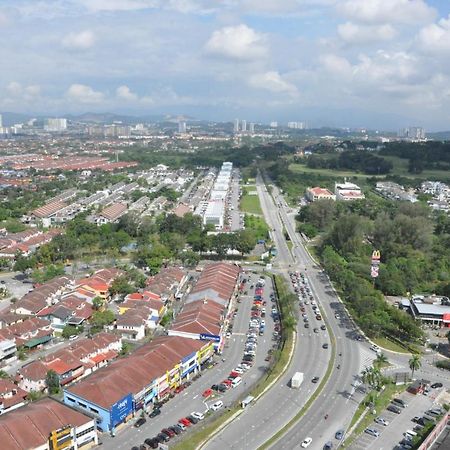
374, 268
121, 409
209, 337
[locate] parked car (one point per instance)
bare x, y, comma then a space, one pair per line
436, 385
154, 413
140, 422
393, 408
217, 405
382, 421
399, 402
169, 433
165, 437
207, 393
185, 421
192, 419
197, 415
372, 431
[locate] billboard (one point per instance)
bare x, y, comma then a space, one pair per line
121, 409
209, 337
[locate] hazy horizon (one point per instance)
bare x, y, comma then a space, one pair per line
380, 64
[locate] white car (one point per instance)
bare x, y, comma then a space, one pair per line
197, 415
217, 405
307, 442
382, 421
375, 348
239, 370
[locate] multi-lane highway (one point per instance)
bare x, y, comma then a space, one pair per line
276, 408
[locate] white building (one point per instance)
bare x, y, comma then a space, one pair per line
182, 127
236, 126
56, 124
244, 126
214, 214
348, 192
252, 128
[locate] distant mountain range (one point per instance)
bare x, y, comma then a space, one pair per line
10, 118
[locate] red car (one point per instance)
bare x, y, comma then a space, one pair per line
233, 374
207, 393
227, 383
185, 422
169, 433
179, 389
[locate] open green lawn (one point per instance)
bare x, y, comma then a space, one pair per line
250, 203
390, 345
301, 168
400, 168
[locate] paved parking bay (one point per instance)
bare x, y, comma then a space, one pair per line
191, 398
392, 434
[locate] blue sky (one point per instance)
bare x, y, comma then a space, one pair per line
369, 63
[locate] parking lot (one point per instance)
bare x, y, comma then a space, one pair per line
191, 399
393, 433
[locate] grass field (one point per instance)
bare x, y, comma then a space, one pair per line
301, 168
250, 203
390, 345
400, 168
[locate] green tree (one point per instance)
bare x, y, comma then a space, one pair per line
3, 375
414, 364
97, 303
70, 330
52, 381
121, 286
381, 360
100, 319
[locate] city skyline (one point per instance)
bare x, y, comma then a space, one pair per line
379, 64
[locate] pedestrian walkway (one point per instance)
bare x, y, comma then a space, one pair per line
367, 357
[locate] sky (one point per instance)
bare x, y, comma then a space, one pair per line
358, 63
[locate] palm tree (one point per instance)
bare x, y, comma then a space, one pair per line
414, 364
381, 359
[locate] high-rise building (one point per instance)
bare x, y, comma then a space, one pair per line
414, 133
182, 127
297, 125
273, 124
244, 126
1, 121
252, 128
56, 124
236, 126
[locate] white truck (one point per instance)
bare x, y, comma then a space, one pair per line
297, 380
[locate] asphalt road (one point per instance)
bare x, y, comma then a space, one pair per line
191, 398
279, 405
341, 395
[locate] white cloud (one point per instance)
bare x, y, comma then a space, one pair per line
81, 93
335, 64
82, 40
124, 93
237, 42
387, 11
14, 88
435, 38
272, 81
117, 5
352, 33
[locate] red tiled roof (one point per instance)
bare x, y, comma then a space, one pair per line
29, 427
